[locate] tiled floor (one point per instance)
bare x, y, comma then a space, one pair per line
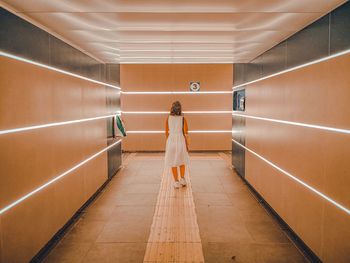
233, 226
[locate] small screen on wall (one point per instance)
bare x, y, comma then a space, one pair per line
239, 100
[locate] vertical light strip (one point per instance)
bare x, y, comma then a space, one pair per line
294, 123
6, 208
4, 54
52, 124
294, 68
346, 210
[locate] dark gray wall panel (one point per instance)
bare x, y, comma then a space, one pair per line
21, 38
238, 73
309, 44
274, 59
114, 158
113, 74
340, 29
253, 70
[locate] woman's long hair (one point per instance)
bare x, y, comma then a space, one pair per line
176, 109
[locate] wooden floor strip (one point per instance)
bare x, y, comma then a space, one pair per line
174, 235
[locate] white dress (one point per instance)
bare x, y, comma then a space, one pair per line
176, 152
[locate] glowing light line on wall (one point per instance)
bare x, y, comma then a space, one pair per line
346, 210
295, 123
295, 68
23, 198
174, 92
4, 54
193, 131
167, 112
52, 124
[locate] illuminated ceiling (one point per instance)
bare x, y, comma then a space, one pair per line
173, 31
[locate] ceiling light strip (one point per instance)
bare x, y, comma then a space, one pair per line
295, 68
167, 112
4, 54
294, 123
177, 50
346, 210
53, 124
174, 57
177, 62
193, 131
23, 198
173, 92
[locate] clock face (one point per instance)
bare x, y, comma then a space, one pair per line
194, 86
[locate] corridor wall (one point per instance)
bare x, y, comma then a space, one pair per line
176, 77
31, 160
283, 156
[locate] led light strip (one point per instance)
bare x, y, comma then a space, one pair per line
52, 124
346, 210
4, 54
295, 68
174, 57
294, 123
174, 92
20, 200
180, 62
177, 50
193, 131
167, 112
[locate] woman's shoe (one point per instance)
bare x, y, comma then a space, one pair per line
183, 181
176, 184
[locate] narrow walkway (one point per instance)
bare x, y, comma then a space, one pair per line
174, 234
137, 218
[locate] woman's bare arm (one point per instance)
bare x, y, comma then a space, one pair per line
185, 127
167, 128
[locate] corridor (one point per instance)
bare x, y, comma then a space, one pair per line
102, 101
139, 217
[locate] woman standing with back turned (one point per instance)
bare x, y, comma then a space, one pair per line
176, 151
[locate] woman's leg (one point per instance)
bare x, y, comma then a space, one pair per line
182, 171
174, 169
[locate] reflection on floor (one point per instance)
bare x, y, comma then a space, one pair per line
125, 220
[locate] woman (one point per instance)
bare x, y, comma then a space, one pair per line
176, 151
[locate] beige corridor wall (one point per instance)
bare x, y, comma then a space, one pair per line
317, 94
177, 77
31, 95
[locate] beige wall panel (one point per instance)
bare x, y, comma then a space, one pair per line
318, 94
31, 158
337, 167
44, 154
156, 142
163, 102
27, 227
336, 236
95, 173
195, 122
68, 196
282, 143
317, 157
170, 77
175, 77
52, 97
294, 202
